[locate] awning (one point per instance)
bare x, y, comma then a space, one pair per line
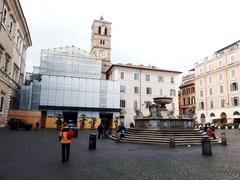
236, 116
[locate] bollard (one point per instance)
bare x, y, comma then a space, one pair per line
206, 146
92, 141
172, 142
223, 139
118, 138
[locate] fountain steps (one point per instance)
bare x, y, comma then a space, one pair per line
182, 137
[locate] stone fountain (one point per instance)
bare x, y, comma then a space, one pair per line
160, 117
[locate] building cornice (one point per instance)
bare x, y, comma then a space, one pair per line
141, 67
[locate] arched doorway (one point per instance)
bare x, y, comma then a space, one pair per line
223, 117
203, 118
236, 117
212, 116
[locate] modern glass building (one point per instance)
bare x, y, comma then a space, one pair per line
68, 82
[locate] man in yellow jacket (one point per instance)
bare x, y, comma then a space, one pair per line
65, 141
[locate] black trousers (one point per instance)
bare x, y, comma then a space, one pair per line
65, 152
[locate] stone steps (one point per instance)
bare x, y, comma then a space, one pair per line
182, 137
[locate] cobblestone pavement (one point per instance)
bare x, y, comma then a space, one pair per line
36, 155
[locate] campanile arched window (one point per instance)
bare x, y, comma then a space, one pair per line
99, 30
105, 31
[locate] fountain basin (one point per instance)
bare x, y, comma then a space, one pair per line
162, 100
155, 123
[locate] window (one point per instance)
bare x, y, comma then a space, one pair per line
209, 67
172, 79
135, 103
234, 86
220, 76
211, 104
210, 91
160, 92
6, 65
200, 82
193, 100
122, 103
183, 92
136, 90
147, 104
15, 73
105, 31
173, 92
222, 103
235, 101
188, 90
184, 103
148, 90
210, 79
103, 42
232, 59
1, 54
192, 90
18, 39
201, 71
1, 104
201, 105
220, 63
233, 72
189, 100
221, 89
201, 93
147, 77
99, 30
10, 28
136, 76
160, 79
122, 89
4, 16
121, 75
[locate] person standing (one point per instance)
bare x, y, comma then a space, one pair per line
37, 124
65, 141
100, 131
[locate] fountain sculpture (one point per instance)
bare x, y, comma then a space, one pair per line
160, 117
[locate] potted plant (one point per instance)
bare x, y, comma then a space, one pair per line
82, 121
93, 123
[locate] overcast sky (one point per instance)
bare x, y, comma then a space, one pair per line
170, 34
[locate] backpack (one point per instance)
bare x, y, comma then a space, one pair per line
70, 134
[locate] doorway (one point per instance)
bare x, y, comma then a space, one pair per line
106, 119
70, 116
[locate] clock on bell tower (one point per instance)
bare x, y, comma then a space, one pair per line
101, 42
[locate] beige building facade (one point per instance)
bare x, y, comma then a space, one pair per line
14, 41
217, 81
139, 85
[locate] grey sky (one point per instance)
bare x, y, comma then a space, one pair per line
170, 34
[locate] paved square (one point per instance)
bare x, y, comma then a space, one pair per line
37, 154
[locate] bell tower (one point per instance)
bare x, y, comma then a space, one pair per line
101, 42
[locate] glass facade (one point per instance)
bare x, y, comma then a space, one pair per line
69, 64
79, 92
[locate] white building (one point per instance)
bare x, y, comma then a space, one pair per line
140, 84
